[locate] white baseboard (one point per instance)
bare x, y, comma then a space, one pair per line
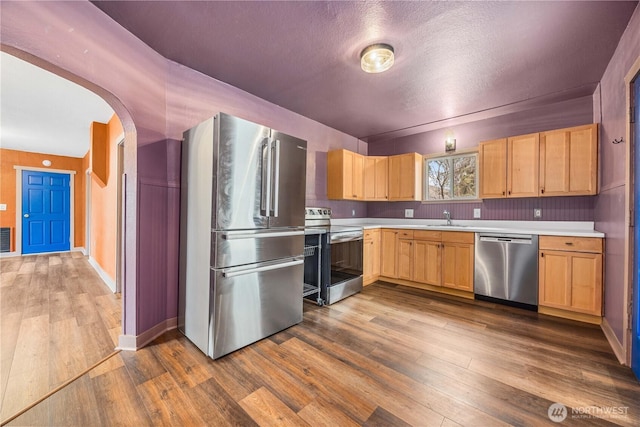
9, 254
80, 249
134, 343
104, 276
617, 348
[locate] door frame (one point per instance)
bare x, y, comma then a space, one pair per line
71, 173
629, 218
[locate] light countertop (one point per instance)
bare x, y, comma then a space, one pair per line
545, 228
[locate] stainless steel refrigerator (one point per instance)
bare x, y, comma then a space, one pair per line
241, 233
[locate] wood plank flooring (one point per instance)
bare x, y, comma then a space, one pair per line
57, 318
389, 356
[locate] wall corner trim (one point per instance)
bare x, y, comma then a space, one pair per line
617, 348
104, 276
134, 343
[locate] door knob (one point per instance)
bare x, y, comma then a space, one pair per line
26, 215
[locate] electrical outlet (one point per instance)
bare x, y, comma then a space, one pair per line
476, 212
3, 206
537, 213
353, 212
408, 213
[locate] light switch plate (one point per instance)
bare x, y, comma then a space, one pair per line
537, 213
408, 213
3, 206
476, 212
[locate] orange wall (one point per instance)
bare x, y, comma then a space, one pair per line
11, 158
104, 197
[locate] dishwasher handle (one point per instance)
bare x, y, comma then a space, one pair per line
507, 239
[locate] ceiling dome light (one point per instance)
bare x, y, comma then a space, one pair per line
376, 58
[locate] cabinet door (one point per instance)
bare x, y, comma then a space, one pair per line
370, 178
583, 160
375, 254
569, 161
553, 279
554, 163
427, 262
522, 165
388, 239
493, 169
345, 180
405, 177
371, 256
457, 266
586, 283
357, 176
376, 178
405, 259
382, 178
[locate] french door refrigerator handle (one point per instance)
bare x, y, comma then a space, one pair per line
237, 235
275, 191
296, 261
265, 185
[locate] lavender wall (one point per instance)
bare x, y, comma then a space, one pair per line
556, 116
159, 226
553, 209
610, 110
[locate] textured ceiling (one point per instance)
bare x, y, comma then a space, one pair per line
452, 58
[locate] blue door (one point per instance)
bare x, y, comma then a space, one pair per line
635, 320
45, 212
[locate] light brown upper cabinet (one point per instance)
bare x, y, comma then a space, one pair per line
569, 161
509, 167
493, 169
376, 178
405, 177
345, 173
522, 165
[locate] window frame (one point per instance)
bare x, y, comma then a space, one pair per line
450, 157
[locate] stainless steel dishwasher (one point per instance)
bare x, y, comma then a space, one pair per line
506, 268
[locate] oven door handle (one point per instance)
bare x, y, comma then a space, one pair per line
346, 238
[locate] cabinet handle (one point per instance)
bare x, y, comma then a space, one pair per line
568, 243
542, 190
509, 192
541, 254
503, 193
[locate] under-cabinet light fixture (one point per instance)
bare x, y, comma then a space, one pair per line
376, 58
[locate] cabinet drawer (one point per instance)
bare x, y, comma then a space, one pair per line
427, 235
370, 234
566, 243
458, 237
405, 234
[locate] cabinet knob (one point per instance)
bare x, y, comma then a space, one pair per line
568, 243
509, 192
541, 254
503, 193
542, 190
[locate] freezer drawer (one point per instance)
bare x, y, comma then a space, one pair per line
251, 302
239, 247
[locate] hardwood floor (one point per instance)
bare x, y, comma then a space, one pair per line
57, 318
389, 356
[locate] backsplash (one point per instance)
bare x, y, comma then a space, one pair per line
340, 208
579, 208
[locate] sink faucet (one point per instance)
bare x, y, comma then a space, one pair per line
447, 215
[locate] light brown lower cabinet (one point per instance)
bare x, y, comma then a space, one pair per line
371, 256
388, 253
429, 259
570, 277
457, 265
